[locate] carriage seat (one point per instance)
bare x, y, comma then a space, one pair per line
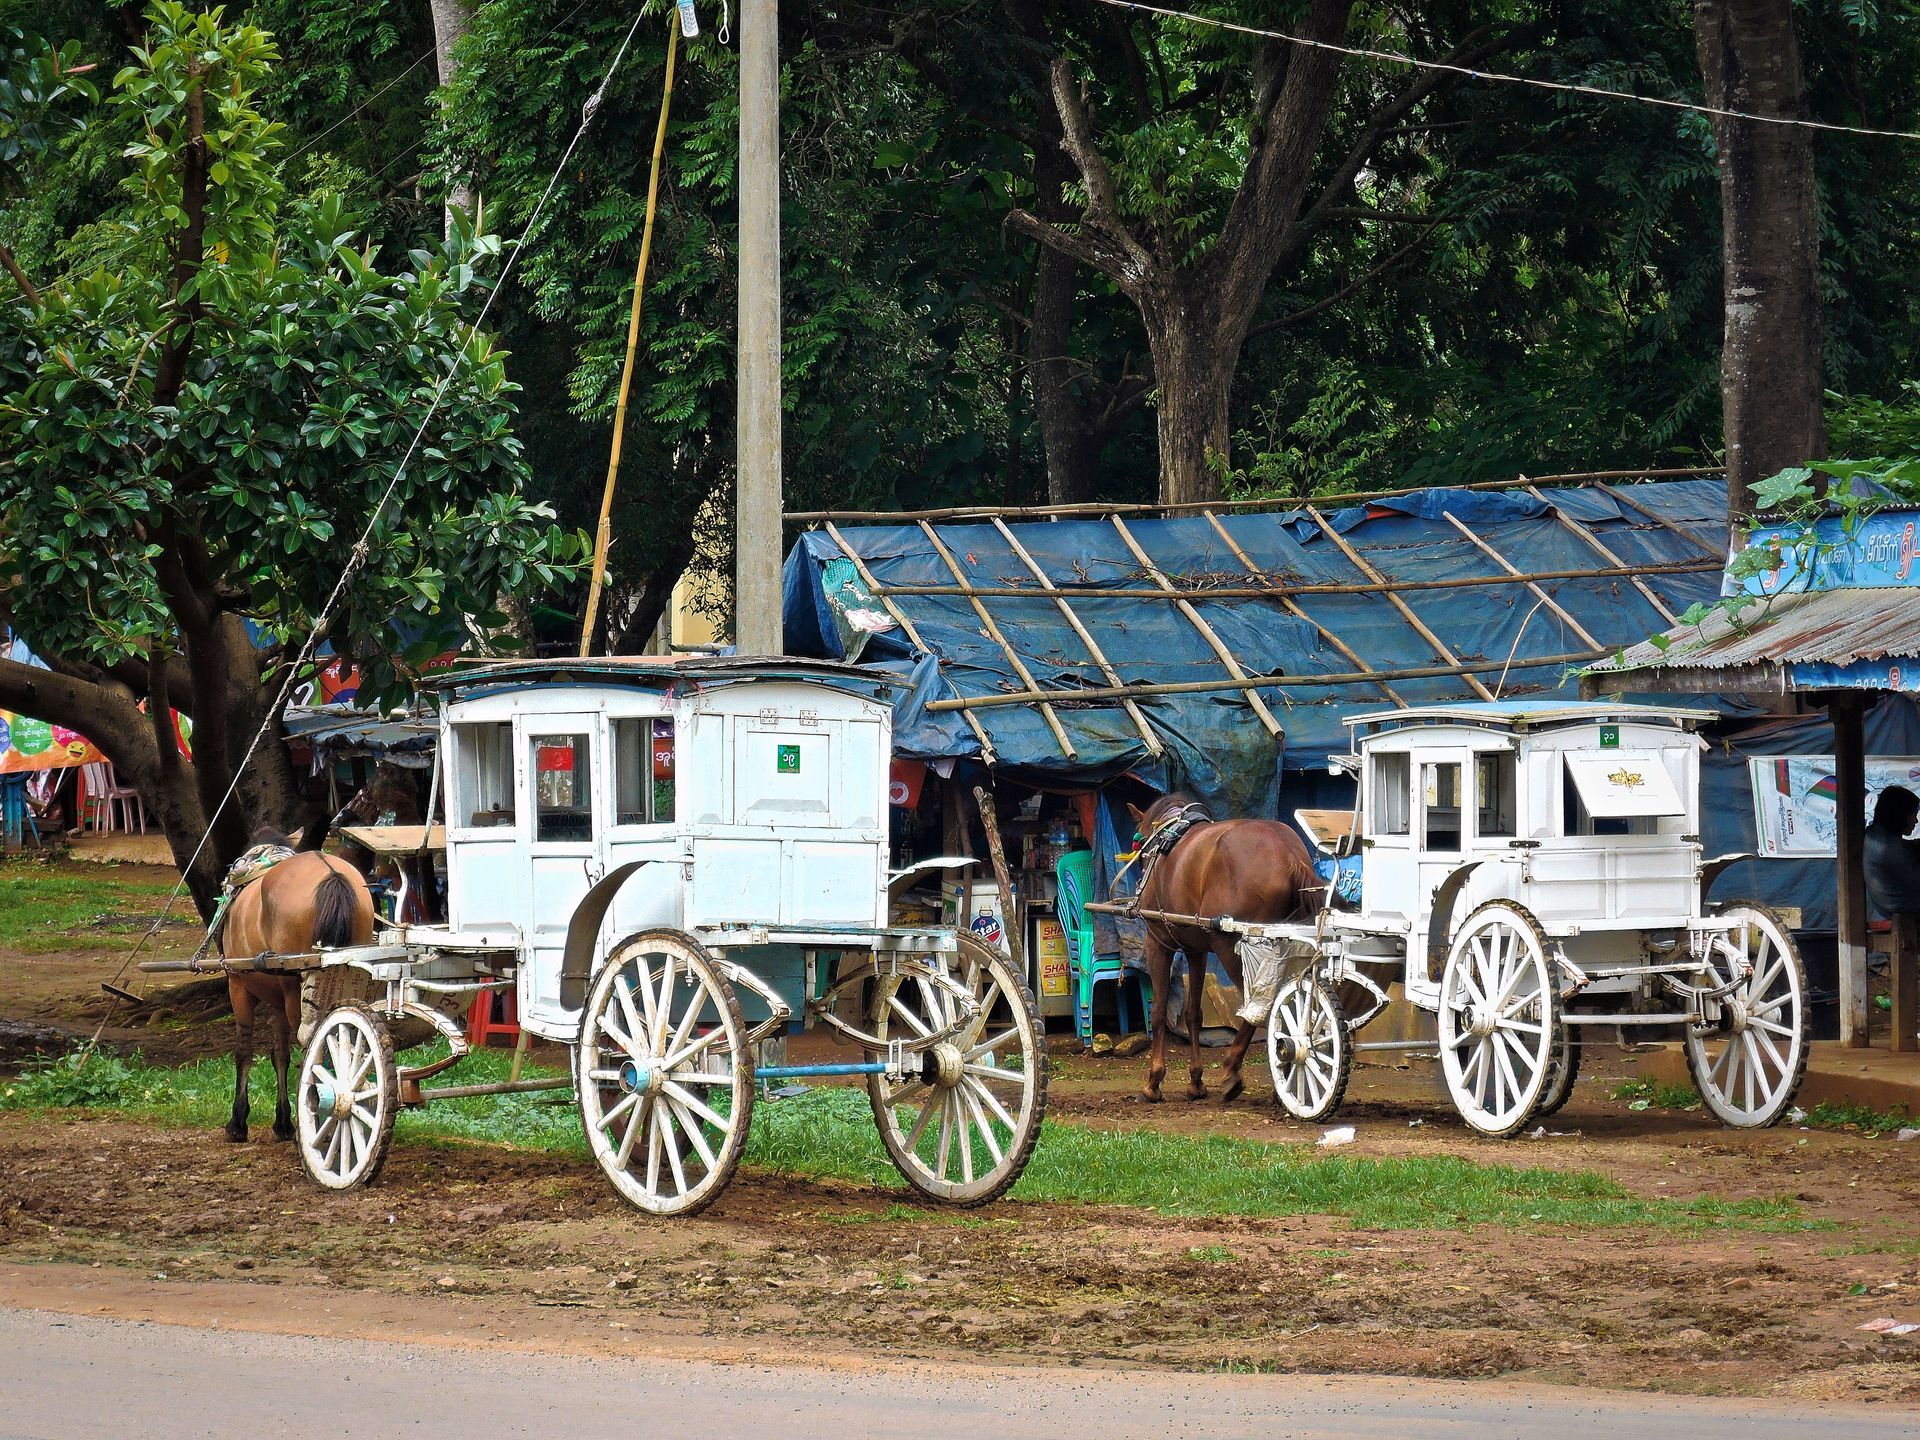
1330, 832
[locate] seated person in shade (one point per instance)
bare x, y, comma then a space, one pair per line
1892, 860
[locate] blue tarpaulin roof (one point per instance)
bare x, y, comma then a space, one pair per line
1214, 744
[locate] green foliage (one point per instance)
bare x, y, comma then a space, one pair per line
69, 1081
250, 375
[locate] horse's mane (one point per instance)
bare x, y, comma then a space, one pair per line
1173, 801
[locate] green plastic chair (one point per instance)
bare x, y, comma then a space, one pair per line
1075, 874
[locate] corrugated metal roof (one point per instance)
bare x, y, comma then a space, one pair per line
1835, 627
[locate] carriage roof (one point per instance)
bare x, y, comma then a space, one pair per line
660, 672
1523, 715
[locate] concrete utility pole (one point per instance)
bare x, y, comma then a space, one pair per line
756, 589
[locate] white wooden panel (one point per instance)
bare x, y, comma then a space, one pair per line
830, 883
736, 880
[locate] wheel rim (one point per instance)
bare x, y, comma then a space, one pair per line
345, 1091
1748, 1064
1306, 1038
665, 1097
1496, 1021
962, 1129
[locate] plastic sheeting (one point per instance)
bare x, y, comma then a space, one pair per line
1215, 746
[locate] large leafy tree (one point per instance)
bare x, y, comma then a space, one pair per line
198, 427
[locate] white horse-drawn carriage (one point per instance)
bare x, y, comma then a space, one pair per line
673, 864
1531, 873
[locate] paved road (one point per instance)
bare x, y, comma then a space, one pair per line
67, 1377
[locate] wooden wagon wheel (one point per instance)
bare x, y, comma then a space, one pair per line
346, 1099
1309, 1048
663, 1073
1499, 1019
1748, 1060
961, 1131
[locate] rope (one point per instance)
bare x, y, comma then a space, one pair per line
363, 547
1566, 87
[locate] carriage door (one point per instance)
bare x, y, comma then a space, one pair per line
564, 769
1440, 814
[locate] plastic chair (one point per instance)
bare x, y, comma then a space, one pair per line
119, 805
1075, 874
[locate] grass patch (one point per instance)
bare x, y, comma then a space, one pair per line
829, 1133
1861, 1118
43, 911
1645, 1095
1212, 1254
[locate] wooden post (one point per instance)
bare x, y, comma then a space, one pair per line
1903, 969
1015, 922
1850, 775
756, 594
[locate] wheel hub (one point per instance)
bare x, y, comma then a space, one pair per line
944, 1065
1481, 1022
1734, 1015
1287, 1049
637, 1079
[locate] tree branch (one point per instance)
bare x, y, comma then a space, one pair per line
12, 267
1103, 206
1067, 243
1366, 277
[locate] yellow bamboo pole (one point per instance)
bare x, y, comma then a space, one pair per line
603, 536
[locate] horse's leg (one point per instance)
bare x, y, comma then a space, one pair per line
286, 1015
242, 1058
1196, 991
1159, 971
1226, 947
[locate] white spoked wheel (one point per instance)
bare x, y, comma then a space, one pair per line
1308, 1048
662, 1072
961, 1131
1499, 1018
346, 1098
1749, 1056
1566, 1070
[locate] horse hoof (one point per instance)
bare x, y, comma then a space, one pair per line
1197, 1092
283, 1132
237, 1136
1231, 1093
1151, 1097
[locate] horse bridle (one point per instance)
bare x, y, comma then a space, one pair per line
1163, 837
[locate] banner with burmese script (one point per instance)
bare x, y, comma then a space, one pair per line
28, 745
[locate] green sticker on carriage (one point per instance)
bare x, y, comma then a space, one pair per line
788, 760
1609, 737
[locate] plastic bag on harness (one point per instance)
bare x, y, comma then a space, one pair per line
1266, 965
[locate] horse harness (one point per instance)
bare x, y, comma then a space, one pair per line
1167, 834
251, 865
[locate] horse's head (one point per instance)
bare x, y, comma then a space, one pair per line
1146, 821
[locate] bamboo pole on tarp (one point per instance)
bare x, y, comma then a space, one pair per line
906, 625
1533, 585
994, 633
1594, 541
1098, 511
1153, 743
1353, 657
1266, 682
1218, 646
1406, 611
1280, 586
1619, 493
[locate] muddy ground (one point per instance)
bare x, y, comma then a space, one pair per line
534, 1247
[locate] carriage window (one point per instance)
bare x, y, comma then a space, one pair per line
562, 787
483, 781
1576, 819
642, 772
1440, 791
1494, 782
1392, 795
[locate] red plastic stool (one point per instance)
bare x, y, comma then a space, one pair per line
492, 1013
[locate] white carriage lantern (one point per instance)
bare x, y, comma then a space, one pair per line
1531, 871
672, 861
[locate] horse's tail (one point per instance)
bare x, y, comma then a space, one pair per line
333, 911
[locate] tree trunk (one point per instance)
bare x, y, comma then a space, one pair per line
1193, 375
451, 21
1770, 378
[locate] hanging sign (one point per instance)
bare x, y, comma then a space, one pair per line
28, 745
1795, 800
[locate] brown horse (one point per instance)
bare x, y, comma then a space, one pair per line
305, 901
1245, 869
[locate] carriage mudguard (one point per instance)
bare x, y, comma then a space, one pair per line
584, 929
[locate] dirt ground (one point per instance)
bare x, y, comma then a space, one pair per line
533, 1247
